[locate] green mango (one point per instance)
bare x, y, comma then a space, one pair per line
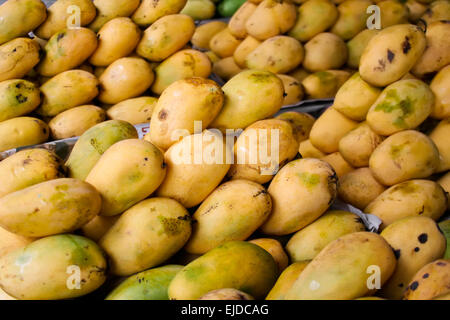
236, 264
445, 228
150, 284
94, 142
228, 7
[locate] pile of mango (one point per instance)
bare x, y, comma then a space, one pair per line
185, 214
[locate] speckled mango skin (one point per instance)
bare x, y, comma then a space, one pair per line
307, 243
188, 182
146, 235
416, 241
93, 143
128, 172
410, 198
180, 105
67, 90
432, 281
149, 11
181, 65
110, 9
313, 17
313, 182
50, 207
391, 53
286, 280
67, 49
17, 98
20, 17
39, 271
165, 37
339, 271
403, 156
245, 150
231, 212
237, 264
29, 167
251, 95
151, 284
27, 131
402, 105
58, 16
17, 58
355, 98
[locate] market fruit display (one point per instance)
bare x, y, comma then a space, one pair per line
289, 152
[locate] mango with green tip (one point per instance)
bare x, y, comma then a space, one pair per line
151, 284
237, 264
17, 98
93, 143
42, 269
274, 247
343, 269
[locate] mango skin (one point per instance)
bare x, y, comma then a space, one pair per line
93, 143
128, 172
286, 280
19, 17
67, 90
239, 19
204, 32
226, 68
39, 270
219, 219
67, 49
307, 243
356, 46
151, 284
403, 156
324, 84
149, 11
338, 163
27, 131
410, 198
117, 39
50, 207
180, 105
325, 51
312, 180
58, 16
355, 98
227, 266
181, 65
226, 294
329, 277
407, 238
244, 49
108, 10
29, 167
245, 150
391, 53
251, 95
76, 121
146, 235
223, 43
17, 58
439, 86
165, 37
10, 242
301, 123
313, 17
359, 188
17, 98
189, 182
437, 11
135, 111
275, 248
444, 182
352, 18
431, 281
402, 105
444, 226
440, 135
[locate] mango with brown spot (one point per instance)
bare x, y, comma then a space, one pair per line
17, 98
17, 58
149, 10
301, 123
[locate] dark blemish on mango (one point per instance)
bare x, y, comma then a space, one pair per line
423, 238
260, 77
397, 253
145, 159
60, 36
426, 275
441, 264
27, 161
171, 226
416, 249
259, 193
95, 144
162, 115
381, 65
214, 206
401, 285
414, 285
406, 45
21, 98
390, 55
163, 165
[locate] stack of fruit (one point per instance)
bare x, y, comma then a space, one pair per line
199, 209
